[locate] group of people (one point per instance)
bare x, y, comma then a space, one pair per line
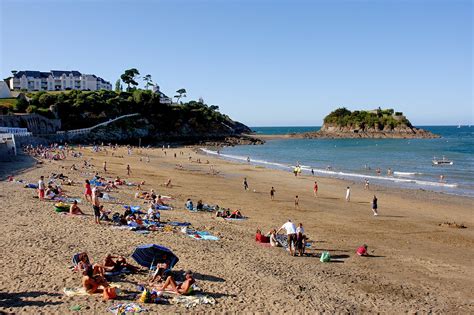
295, 238
94, 275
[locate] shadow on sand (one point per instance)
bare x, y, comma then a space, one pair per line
20, 299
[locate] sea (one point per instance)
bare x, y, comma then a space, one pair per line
410, 160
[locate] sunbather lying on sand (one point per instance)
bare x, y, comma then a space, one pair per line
184, 288
111, 265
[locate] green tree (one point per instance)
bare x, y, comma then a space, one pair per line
118, 86
46, 100
129, 77
20, 105
148, 81
181, 93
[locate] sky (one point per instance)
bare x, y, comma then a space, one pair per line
264, 63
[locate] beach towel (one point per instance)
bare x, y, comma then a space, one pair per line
282, 240
134, 209
204, 237
126, 308
80, 291
143, 232
163, 207
193, 300
235, 219
71, 200
174, 223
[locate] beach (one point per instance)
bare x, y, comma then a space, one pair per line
416, 264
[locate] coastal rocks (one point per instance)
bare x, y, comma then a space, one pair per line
377, 131
234, 140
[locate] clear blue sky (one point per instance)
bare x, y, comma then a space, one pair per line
262, 62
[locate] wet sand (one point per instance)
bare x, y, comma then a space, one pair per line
417, 265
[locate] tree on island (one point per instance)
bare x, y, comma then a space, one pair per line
148, 81
181, 93
129, 77
118, 86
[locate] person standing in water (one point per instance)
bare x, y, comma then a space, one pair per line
375, 206
248, 159
246, 185
272, 193
312, 171
348, 194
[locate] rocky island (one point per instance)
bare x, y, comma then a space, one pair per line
378, 123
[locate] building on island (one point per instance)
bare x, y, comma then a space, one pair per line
56, 80
164, 99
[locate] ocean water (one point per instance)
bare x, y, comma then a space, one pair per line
358, 159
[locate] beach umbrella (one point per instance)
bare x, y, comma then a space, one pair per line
151, 254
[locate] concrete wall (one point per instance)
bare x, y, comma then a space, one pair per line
35, 123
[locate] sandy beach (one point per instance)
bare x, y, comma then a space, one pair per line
416, 264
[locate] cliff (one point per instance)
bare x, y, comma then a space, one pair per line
190, 122
378, 123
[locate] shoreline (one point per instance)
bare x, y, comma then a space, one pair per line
410, 271
391, 182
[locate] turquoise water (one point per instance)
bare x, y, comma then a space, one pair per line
357, 159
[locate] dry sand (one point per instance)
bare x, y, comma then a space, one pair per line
418, 266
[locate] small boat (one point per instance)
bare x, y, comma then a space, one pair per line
443, 161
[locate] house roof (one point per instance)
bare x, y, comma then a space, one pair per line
58, 73
54, 73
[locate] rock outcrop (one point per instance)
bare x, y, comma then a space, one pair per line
400, 132
379, 123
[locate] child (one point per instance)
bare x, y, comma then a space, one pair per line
362, 251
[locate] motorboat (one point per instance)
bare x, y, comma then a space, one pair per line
442, 161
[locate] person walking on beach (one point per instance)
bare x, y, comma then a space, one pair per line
105, 166
297, 202
375, 206
246, 185
348, 194
96, 205
315, 189
366, 184
272, 193
128, 170
87, 191
41, 188
290, 229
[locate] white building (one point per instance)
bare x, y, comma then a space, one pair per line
56, 80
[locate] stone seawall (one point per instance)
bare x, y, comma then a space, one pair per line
35, 123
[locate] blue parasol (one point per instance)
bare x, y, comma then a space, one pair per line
151, 254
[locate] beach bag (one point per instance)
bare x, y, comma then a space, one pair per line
145, 297
325, 257
109, 293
